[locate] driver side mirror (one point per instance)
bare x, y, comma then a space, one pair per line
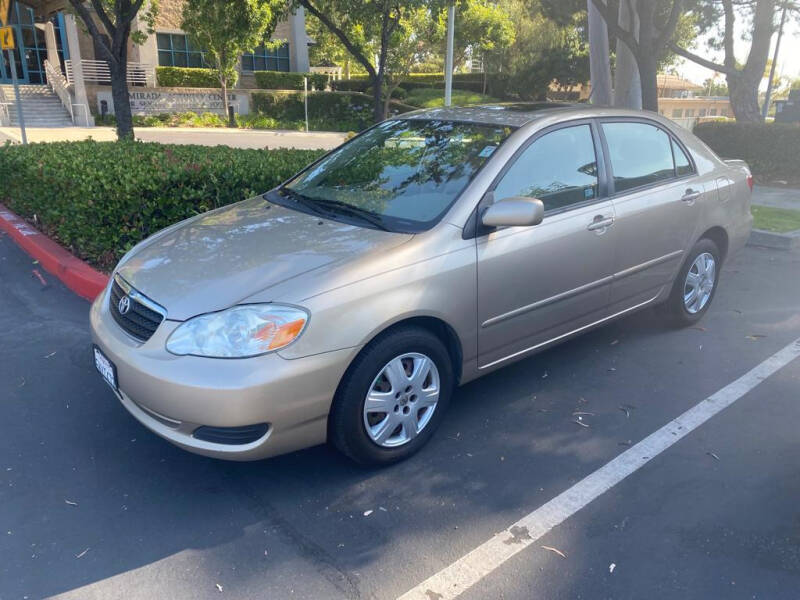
514, 211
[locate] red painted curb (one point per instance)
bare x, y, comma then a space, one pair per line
76, 274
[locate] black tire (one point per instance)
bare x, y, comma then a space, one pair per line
676, 310
346, 429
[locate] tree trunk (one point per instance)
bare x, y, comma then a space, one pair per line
378, 112
122, 101
627, 86
599, 63
224, 84
743, 94
648, 75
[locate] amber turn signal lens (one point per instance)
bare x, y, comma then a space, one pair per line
286, 333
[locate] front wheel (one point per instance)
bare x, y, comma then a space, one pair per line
695, 285
392, 398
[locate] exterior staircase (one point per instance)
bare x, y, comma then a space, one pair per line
40, 106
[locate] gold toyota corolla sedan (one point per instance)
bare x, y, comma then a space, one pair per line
348, 303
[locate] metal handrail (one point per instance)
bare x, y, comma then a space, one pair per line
59, 85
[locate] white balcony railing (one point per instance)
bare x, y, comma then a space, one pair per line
98, 72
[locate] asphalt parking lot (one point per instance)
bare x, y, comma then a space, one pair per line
93, 506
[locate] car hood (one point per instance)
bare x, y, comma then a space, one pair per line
218, 259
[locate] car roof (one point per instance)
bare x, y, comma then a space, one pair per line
519, 113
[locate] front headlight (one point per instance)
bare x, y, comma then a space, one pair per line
239, 332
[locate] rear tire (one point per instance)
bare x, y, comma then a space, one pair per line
392, 398
695, 285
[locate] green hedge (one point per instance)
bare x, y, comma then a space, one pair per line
771, 149
101, 198
186, 77
337, 111
282, 80
355, 84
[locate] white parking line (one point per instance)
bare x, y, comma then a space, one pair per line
458, 577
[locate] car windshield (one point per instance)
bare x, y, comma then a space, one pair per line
401, 175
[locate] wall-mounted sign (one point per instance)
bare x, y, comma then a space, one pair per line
6, 38
5, 11
153, 102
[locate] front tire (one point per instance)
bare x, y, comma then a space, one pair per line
392, 398
695, 285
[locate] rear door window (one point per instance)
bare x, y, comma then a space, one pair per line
641, 154
683, 165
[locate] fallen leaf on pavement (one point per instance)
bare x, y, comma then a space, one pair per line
556, 550
611, 567
70, 502
614, 343
81, 554
712, 455
367, 513
219, 587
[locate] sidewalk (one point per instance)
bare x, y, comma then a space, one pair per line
776, 197
236, 138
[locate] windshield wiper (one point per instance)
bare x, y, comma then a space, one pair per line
334, 206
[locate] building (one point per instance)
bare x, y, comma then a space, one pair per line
678, 100
47, 33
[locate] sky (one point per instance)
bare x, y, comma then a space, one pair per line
788, 58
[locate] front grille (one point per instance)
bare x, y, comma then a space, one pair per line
231, 435
140, 321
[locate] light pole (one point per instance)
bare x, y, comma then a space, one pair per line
448, 61
768, 97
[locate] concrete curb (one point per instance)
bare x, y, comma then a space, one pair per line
778, 241
73, 272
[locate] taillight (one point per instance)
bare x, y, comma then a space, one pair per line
750, 182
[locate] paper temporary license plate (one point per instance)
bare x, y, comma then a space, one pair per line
105, 367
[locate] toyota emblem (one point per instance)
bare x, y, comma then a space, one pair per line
124, 305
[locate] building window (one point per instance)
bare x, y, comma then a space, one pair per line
713, 112
702, 112
266, 59
176, 50
724, 112
689, 112
677, 113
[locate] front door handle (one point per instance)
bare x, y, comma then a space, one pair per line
690, 196
600, 224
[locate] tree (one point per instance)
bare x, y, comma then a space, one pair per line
657, 21
481, 26
367, 29
715, 88
544, 51
743, 80
111, 37
227, 29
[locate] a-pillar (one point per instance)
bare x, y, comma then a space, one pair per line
82, 114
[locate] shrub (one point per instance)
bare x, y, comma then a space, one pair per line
186, 77
771, 149
356, 84
333, 111
101, 198
282, 80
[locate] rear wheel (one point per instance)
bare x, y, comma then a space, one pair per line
695, 285
392, 398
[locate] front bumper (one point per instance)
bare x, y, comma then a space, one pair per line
174, 395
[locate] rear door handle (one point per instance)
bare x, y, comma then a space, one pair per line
600, 224
690, 196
